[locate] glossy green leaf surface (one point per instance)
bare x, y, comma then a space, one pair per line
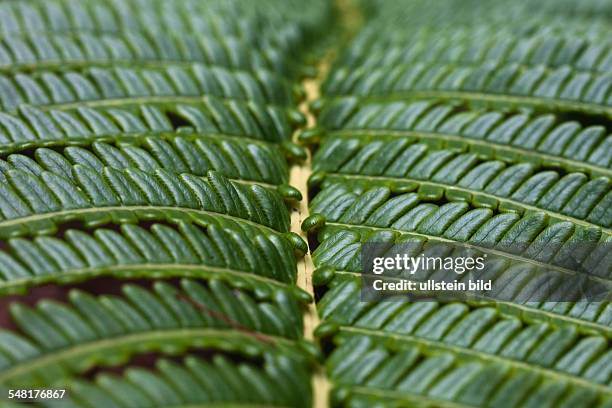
150, 252
146, 257
452, 123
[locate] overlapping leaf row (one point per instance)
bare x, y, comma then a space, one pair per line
150, 141
237, 121
529, 41
510, 84
557, 141
583, 47
268, 26
449, 122
193, 380
515, 161
520, 72
117, 34
589, 18
474, 45
25, 51
112, 86
218, 381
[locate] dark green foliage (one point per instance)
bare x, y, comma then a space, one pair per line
341, 252
277, 381
247, 161
185, 249
472, 46
564, 88
547, 140
33, 127
379, 206
107, 87
455, 122
59, 339
144, 201
414, 375
46, 198
147, 254
463, 176
82, 49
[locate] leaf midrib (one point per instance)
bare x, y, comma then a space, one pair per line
75, 213
496, 64
45, 65
174, 269
71, 140
564, 105
143, 100
463, 62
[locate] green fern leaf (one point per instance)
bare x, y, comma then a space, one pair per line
126, 86
463, 176
276, 381
34, 128
445, 126
412, 375
467, 46
540, 139
148, 254
248, 162
188, 250
32, 201
31, 51
57, 340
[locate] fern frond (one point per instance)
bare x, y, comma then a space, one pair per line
258, 26
557, 340
447, 128
31, 202
368, 372
458, 175
147, 252
33, 127
476, 46
492, 84
277, 380
518, 289
82, 49
128, 86
247, 161
355, 206
56, 340
548, 140
398, 21
184, 250
144, 160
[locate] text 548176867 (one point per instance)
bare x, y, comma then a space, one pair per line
36, 394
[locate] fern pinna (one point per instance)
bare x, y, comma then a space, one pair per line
146, 256
152, 161
452, 123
